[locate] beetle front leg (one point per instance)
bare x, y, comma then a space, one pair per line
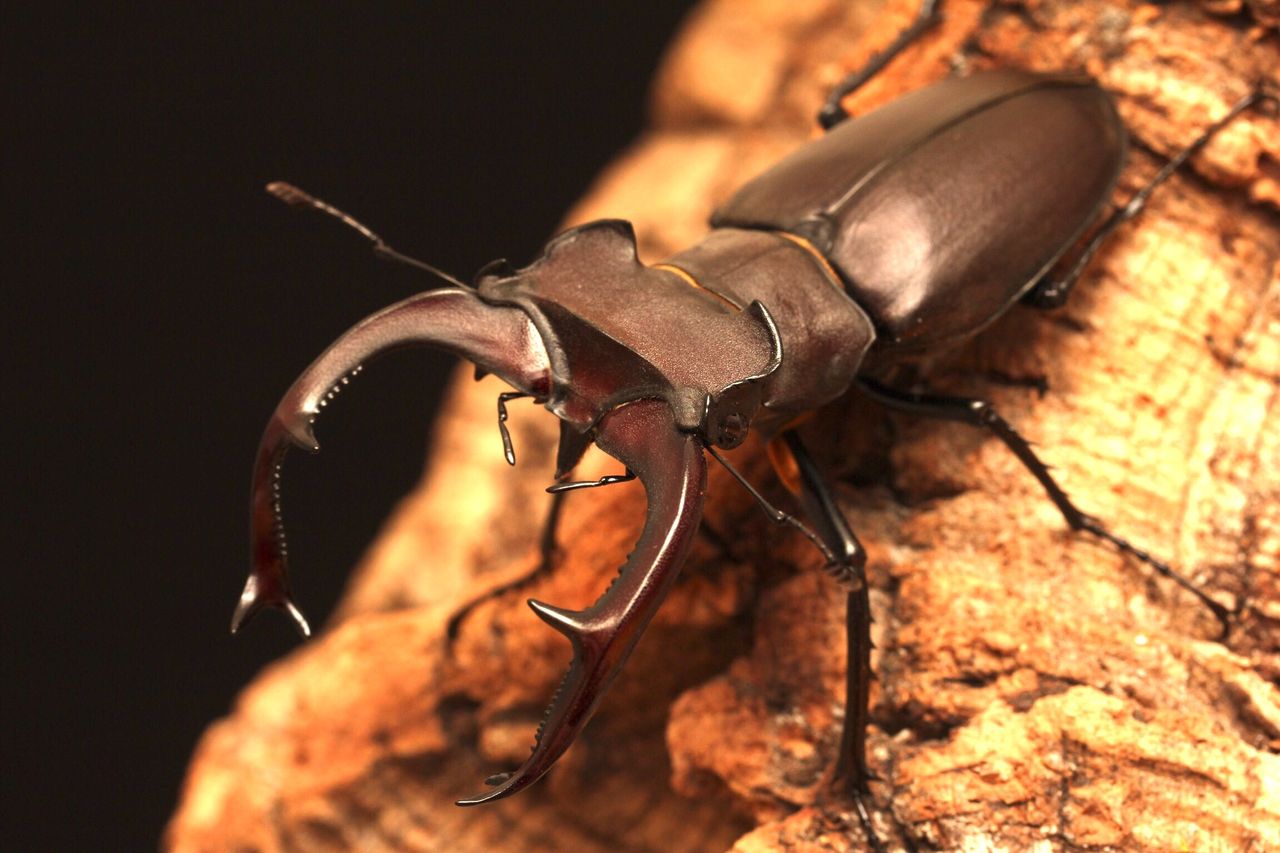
798, 471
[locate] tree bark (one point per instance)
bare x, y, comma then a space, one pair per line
1035, 688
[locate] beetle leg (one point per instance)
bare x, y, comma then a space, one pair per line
1052, 293
669, 463
980, 413
846, 560
832, 112
800, 473
546, 562
820, 506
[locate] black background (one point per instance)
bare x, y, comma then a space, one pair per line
158, 303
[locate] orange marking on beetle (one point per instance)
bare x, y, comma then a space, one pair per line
688, 279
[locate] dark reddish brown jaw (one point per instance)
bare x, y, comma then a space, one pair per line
643, 436
501, 340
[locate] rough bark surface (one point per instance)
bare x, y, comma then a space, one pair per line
1036, 689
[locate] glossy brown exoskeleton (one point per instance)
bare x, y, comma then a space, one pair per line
896, 233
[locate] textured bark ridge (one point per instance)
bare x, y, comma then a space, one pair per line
1036, 689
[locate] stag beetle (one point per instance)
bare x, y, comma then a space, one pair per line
895, 234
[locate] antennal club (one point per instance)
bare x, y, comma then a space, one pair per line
294, 197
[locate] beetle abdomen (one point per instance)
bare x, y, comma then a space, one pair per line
942, 208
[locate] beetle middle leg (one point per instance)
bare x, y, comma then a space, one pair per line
1052, 293
980, 413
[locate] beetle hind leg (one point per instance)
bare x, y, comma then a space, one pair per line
1049, 293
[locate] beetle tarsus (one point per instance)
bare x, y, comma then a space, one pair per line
1223, 614
864, 819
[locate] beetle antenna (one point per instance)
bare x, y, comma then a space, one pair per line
779, 517
294, 197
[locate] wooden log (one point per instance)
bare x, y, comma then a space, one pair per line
1036, 689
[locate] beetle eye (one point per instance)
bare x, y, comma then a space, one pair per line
732, 431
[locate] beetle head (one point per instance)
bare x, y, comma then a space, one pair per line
630, 357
